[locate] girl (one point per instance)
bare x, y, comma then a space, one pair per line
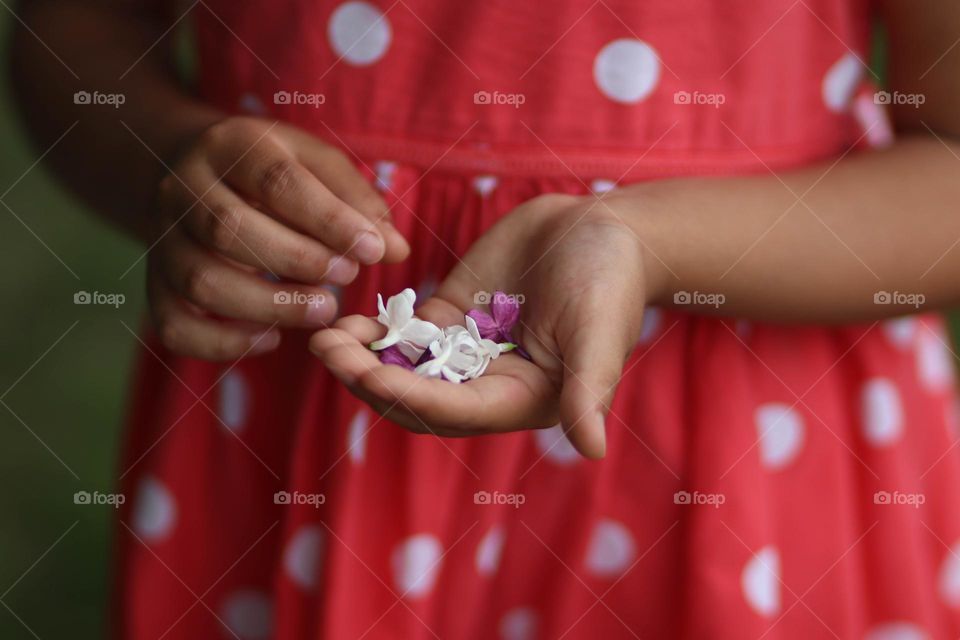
637, 175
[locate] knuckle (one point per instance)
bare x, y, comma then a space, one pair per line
223, 227
198, 284
239, 127
300, 259
224, 347
277, 178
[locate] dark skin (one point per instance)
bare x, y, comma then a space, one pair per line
866, 223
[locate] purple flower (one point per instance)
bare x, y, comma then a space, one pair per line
504, 313
393, 355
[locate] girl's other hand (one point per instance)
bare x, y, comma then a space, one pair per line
584, 278
253, 197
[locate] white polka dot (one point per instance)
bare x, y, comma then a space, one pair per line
900, 331
154, 512
554, 446
841, 81
896, 631
416, 563
934, 362
301, 558
611, 549
489, 551
652, 319
359, 33
626, 70
949, 582
250, 103
882, 412
781, 433
519, 624
602, 186
484, 185
357, 436
234, 400
760, 582
385, 171
249, 615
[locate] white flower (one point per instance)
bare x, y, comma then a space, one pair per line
459, 353
484, 352
453, 355
411, 335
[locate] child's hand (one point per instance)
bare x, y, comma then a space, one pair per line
273, 200
583, 276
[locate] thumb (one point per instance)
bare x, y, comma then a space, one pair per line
593, 362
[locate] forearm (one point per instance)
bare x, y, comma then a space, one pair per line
103, 47
813, 245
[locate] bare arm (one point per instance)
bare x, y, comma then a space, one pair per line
112, 48
817, 245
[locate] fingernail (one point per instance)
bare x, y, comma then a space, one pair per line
317, 313
263, 342
368, 247
341, 270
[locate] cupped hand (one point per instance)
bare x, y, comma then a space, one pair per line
581, 274
254, 197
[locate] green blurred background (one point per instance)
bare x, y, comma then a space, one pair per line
63, 378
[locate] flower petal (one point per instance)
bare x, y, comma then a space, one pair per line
505, 310
486, 325
400, 307
393, 355
420, 332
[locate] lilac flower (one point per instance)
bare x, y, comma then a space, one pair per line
393, 355
504, 313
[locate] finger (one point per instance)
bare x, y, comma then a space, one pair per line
334, 169
272, 176
593, 363
186, 333
224, 289
224, 222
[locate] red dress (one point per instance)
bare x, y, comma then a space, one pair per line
761, 481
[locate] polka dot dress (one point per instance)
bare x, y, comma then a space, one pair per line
761, 481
